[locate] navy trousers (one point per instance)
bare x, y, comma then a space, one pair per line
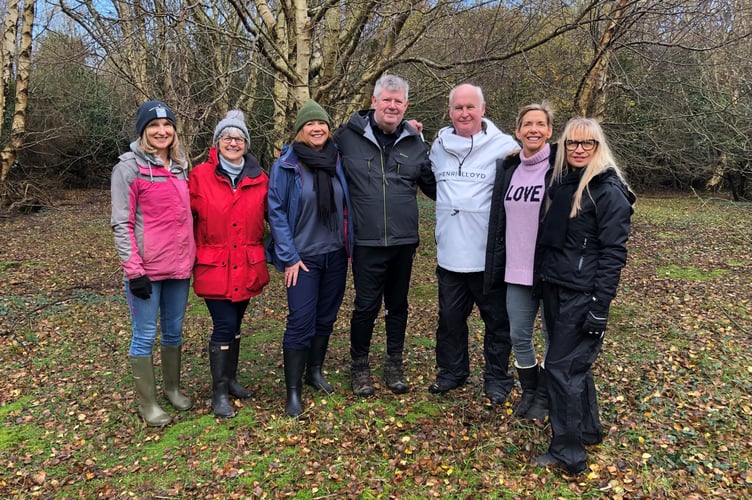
314, 301
226, 318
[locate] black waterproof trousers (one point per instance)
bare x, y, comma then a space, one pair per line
380, 272
573, 403
458, 292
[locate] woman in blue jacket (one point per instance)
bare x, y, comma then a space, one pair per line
584, 241
311, 239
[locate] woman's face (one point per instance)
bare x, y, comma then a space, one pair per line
159, 134
580, 150
232, 147
534, 131
315, 133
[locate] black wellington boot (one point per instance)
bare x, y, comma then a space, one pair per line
233, 386
295, 361
539, 409
529, 383
316, 356
219, 361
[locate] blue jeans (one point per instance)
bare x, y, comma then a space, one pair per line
226, 319
167, 302
314, 301
522, 308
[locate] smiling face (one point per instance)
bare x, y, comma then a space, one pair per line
533, 132
314, 133
580, 149
389, 109
466, 111
232, 147
159, 134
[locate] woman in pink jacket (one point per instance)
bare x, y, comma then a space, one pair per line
151, 219
228, 200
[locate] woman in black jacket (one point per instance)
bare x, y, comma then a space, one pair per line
512, 250
584, 241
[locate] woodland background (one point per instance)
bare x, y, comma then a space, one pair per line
670, 79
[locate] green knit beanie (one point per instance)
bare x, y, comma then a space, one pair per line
311, 111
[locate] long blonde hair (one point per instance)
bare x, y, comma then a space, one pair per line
602, 159
176, 152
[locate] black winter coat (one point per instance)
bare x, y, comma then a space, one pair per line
383, 183
594, 249
493, 277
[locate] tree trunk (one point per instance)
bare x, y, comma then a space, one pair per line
23, 68
591, 96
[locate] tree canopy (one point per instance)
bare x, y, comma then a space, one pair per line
670, 80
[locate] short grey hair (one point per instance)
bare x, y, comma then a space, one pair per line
390, 82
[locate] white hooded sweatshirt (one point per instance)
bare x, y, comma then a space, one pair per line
465, 170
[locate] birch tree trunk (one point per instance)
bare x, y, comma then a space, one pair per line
23, 66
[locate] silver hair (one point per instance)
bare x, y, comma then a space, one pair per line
390, 82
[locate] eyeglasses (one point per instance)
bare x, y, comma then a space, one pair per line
230, 140
588, 145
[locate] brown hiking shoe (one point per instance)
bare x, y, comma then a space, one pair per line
393, 375
360, 377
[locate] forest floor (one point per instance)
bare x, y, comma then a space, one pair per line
674, 382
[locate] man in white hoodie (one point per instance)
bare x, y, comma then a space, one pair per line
463, 159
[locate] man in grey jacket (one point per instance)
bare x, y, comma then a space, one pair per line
385, 160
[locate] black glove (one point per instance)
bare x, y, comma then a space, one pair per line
140, 287
596, 319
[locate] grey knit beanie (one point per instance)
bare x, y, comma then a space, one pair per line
234, 118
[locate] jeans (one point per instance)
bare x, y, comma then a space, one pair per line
522, 308
167, 302
380, 272
458, 292
314, 301
226, 319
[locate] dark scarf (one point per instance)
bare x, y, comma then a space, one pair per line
557, 217
323, 165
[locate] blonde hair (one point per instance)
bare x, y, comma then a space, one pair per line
301, 136
601, 161
543, 106
175, 150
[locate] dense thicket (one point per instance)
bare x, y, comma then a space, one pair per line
671, 81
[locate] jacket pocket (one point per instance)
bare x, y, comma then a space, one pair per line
210, 272
258, 273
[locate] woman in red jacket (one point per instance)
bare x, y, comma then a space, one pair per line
228, 200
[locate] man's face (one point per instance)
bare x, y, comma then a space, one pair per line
466, 111
389, 109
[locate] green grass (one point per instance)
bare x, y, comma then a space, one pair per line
674, 382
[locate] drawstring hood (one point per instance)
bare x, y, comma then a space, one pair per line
150, 161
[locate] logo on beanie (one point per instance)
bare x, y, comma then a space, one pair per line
160, 111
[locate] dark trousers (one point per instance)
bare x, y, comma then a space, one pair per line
380, 273
458, 292
226, 317
314, 301
573, 402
